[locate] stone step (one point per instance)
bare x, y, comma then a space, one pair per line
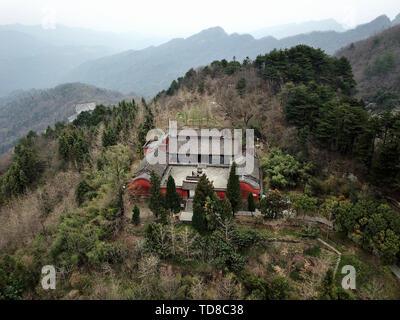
189, 205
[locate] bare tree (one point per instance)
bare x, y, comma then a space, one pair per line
229, 289
172, 234
226, 226
197, 289
186, 240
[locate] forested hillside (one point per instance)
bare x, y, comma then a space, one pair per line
35, 110
64, 199
376, 67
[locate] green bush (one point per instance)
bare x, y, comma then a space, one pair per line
136, 215
372, 224
244, 239
272, 205
314, 251
256, 286
225, 254
81, 190
329, 291
15, 278
278, 289
309, 232
81, 238
282, 170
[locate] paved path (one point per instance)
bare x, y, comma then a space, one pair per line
334, 250
396, 270
189, 205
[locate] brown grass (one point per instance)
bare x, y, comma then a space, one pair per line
26, 217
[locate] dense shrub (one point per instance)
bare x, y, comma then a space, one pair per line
282, 170
375, 226
15, 278
278, 289
82, 239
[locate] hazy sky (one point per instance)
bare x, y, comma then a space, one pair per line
185, 17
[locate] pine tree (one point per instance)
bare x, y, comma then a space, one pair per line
250, 202
165, 216
109, 137
172, 197
226, 209
157, 202
204, 190
136, 216
241, 86
233, 192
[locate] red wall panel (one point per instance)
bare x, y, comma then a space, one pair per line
140, 187
246, 189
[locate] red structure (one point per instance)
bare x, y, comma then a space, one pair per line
186, 175
140, 188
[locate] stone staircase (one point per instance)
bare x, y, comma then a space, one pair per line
189, 205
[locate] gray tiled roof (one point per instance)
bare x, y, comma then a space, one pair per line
145, 167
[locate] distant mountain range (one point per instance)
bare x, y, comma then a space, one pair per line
36, 109
70, 36
27, 62
292, 29
32, 57
151, 70
396, 20
376, 67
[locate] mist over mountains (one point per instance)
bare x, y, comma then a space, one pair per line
72, 36
151, 70
27, 62
292, 29
33, 57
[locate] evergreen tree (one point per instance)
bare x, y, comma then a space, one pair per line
226, 209
204, 190
233, 191
172, 197
109, 137
81, 190
145, 127
273, 204
156, 201
63, 148
241, 86
136, 215
165, 216
25, 169
250, 202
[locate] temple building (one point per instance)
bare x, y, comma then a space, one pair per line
190, 154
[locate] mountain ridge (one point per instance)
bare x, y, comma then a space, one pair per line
151, 70
376, 66
37, 109
291, 29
